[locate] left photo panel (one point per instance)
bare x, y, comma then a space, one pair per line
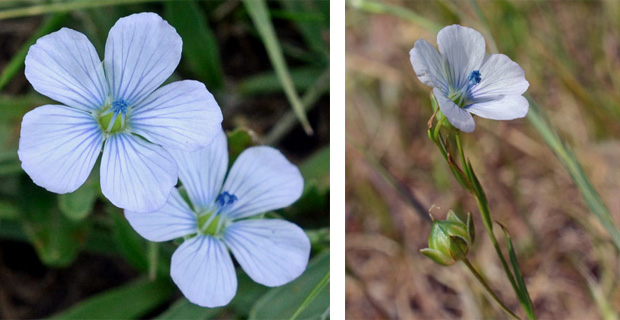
165, 159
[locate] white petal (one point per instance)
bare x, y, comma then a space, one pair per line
203, 270
181, 115
141, 52
136, 175
175, 219
500, 76
271, 251
59, 146
458, 117
262, 179
504, 108
202, 172
64, 66
427, 64
464, 50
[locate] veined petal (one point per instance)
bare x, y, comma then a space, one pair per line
262, 179
136, 175
141, 52
500, 76
203, 270
458, 117
175, 219
64, 66
503, 108
59, 146
202, 172
428, 64
182, 115
464, 50
271, 251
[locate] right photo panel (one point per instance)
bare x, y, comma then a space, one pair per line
482, 160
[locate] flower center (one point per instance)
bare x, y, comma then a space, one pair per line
460, 96
113, 117
213, 221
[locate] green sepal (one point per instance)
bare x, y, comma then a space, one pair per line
438, 257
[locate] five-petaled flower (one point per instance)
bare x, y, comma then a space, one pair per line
464, 81
118, 103
271, 251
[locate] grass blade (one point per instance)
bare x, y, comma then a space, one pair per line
568, 159
260, 16
36, 10
313, 294
130, 301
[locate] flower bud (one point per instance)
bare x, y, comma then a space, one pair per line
450, 239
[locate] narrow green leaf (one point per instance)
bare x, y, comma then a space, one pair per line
524, 296
183, 309
313, 295
200, 48
56, 239
130, 301
311, 22
17, 61
260, 16
128, 243
283, 302
78, 204
268, 82
46, 8
317, 167
568, 159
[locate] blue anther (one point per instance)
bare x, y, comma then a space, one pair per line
225, 199
119, 107
474, 77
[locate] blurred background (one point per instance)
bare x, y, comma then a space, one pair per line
75, 256
532, 169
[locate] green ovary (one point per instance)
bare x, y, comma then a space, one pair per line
105, 122
210, 229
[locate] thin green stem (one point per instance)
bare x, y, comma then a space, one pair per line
489, 290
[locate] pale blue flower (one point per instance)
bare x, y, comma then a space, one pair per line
118, 103
466, 81
271, 251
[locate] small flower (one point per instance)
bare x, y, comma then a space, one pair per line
118, 103
271, 251
464, 81
450, 240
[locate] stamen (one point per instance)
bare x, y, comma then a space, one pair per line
224, 200
119, 106
474, 78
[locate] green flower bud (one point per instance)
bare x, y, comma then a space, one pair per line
450, 239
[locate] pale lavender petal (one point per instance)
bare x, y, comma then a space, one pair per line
464, 50
202, 268
428, 64
64, 66
59, 146
271, 251
262, 179
500, 76
458, 117
175, 219
141, 52
136, 175
504, 108
202, 172
182, 115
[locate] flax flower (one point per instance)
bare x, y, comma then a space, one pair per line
116, 105
224, 216
466, 82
